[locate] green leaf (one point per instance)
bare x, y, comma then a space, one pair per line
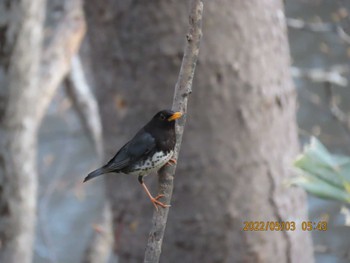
321, 189
317, 161
317, 168
323, 174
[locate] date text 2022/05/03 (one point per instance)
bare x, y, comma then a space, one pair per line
284, 226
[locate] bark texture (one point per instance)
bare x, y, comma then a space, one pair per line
21, 25
241, 135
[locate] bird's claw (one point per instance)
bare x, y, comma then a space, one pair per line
157, 203
171, 162
158, 196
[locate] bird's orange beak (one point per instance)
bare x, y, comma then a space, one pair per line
175, 116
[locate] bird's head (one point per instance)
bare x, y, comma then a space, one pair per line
165, 119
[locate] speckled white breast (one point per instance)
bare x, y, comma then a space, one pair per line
146, 167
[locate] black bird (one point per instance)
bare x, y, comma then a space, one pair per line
149, 150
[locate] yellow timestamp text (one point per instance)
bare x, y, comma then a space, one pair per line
284, 226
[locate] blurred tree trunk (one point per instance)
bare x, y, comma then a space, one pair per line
241, 135
20, 47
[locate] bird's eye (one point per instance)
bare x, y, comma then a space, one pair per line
162, 117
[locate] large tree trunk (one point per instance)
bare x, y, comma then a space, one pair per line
241, 135
20, 47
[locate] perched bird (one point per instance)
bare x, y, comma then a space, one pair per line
149, 150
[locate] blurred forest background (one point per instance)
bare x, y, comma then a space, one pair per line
105, 67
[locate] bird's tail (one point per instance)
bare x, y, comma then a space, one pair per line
98, 172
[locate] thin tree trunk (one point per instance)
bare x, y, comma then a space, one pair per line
183, 89
20, 49
128, 72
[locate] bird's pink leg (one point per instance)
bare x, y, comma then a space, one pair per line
154, 200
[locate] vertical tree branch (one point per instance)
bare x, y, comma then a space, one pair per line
59, 51
183, 89
85, 103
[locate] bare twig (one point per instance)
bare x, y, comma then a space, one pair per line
333, 75
319, 27
57, 54
85, 103
182, 89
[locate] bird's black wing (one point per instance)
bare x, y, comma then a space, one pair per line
135, 149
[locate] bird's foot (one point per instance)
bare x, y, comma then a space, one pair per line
157, 203
154, 200
172, 162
